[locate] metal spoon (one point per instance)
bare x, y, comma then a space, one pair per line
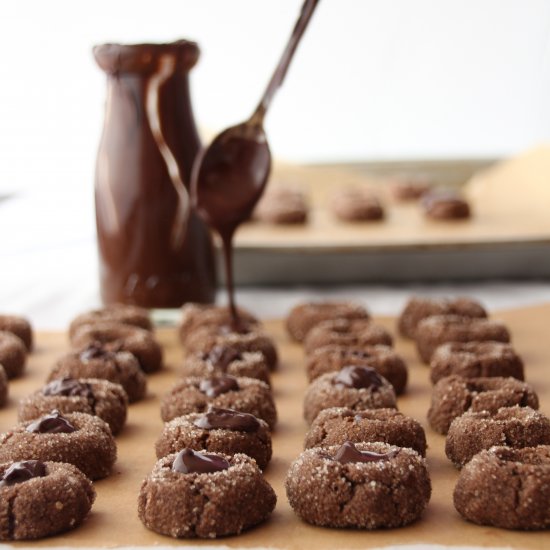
230, 175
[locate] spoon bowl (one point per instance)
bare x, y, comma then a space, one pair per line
230, 175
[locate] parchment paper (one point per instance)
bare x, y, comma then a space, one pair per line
113, 521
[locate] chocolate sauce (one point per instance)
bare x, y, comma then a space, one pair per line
95, 351
358, 377
216, 385
229, 177
348, 452
69, 387
19, 472
54, 423
227, 419
154, 251
222, 356
189, 462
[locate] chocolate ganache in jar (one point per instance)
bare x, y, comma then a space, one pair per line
154, 250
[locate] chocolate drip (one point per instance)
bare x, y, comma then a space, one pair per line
358, 377
188, 461
348, 453
54, 423
217, 385
69, 387
222, 356
19, 472
227, 419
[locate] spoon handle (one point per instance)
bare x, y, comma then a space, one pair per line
308, 8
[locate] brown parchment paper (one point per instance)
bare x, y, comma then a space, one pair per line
113, 521
509, 201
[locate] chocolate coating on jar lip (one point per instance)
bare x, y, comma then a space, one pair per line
358, 377
54, 423
227, 419
348, 453
22, 471
188, 461
216, 385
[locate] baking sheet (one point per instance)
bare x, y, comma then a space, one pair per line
113, 521
507, 236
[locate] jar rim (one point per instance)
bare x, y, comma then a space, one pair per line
115, 58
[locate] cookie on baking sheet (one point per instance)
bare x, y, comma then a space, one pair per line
344, 332
474, 360
282, 206
206, 495
195, 316
77, 438
445, 204
337, 425
220, 431
356, 204
118, 337
115, 313
39, 499
304, 316
382, 358
357, 388
418, 308
86, 395
224, 359
253, 338
195, 394
96, 361
13, 354
4, 386
365, 486
19, 326
453, 396
410, 187
514, 427
436, 330
507, 488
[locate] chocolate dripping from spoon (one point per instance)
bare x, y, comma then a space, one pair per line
238, 162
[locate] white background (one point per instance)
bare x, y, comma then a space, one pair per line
373, 79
